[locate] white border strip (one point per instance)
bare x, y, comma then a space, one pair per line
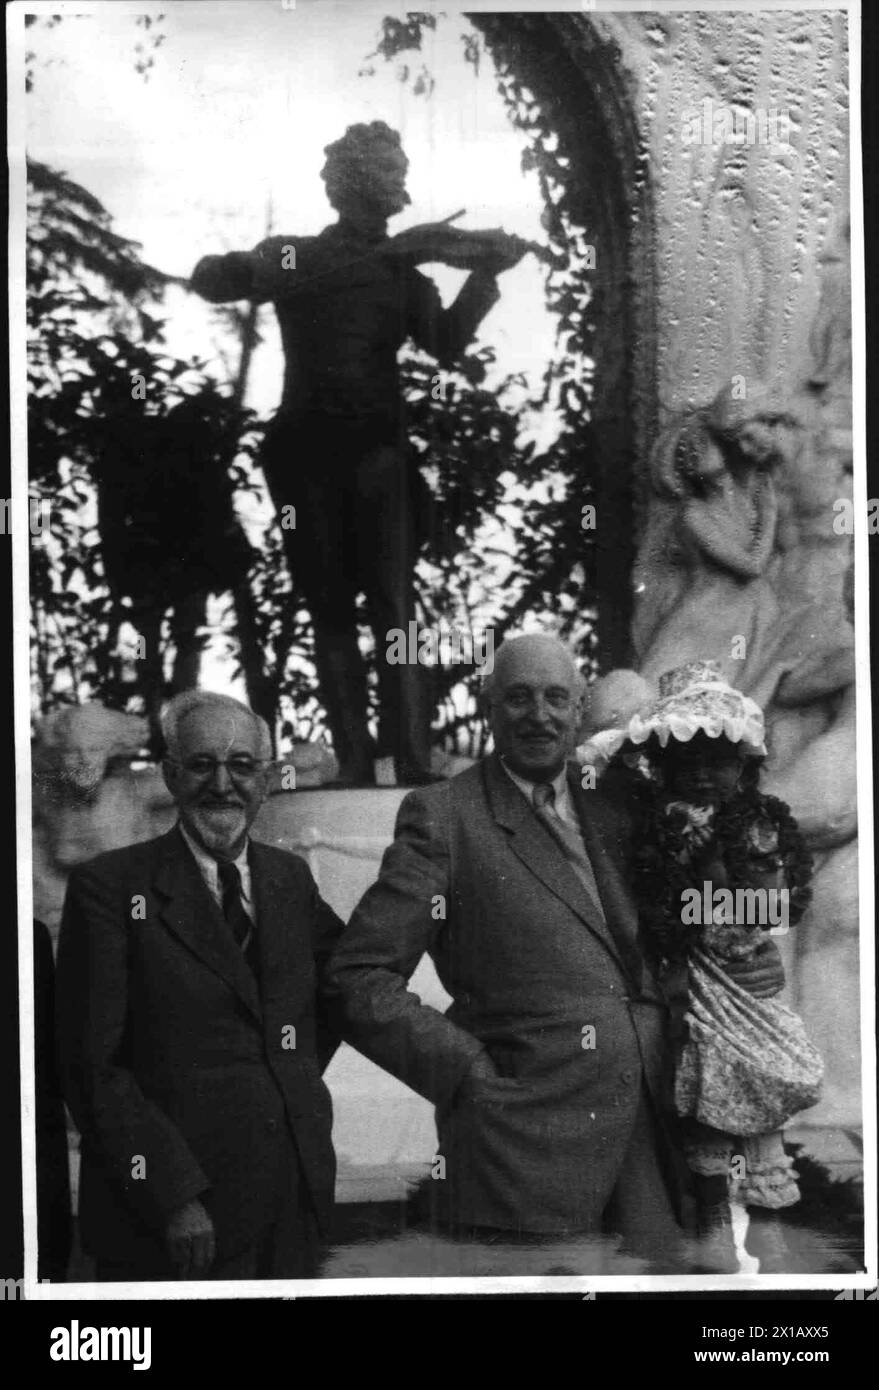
863, 697
263, 1289
16, 144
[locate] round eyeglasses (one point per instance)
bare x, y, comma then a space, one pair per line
240, 767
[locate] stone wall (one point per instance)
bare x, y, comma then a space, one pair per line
749, 318
741, 230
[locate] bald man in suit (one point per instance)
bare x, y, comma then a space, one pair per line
548, 1070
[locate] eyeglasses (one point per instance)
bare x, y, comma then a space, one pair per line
523, 699
240, 768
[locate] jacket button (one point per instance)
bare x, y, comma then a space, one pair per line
627, 1076
271, 1126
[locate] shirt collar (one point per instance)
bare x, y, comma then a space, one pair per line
210, 869
559, 784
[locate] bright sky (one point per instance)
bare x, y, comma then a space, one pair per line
234, 116
235, 113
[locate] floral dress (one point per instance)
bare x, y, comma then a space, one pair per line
744, 1065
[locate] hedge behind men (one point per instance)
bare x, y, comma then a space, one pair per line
193, 1027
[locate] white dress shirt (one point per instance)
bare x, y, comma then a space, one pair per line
562, 805
211, 874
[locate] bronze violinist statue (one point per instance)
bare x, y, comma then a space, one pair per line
337, 450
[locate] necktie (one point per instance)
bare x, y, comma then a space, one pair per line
233, 908
570, 840
574, 850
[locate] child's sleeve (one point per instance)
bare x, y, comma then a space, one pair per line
790, 857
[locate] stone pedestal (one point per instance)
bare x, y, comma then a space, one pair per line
383, 1132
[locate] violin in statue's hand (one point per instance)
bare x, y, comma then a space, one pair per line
491, 251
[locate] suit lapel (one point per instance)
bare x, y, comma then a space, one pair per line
600, 838
540, 853
190, 912
276, 898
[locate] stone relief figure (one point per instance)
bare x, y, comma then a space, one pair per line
811, 726
740, 541
812, 736
87, 796
830, 339
740, 563
75, 746
713, 523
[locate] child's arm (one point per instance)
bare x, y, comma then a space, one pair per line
765, 863
761, 974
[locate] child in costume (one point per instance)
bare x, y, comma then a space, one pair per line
715, 863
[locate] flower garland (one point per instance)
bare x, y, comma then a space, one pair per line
751, 832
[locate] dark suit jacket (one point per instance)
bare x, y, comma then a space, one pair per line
476, 879
171, 1054
54, 1227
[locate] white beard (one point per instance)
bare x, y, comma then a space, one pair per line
219, 829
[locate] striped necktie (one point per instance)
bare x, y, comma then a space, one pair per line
570, 840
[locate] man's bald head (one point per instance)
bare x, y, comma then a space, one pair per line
533, 648
535, 699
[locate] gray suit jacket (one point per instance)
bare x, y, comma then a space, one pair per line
557, 1001
171, 1053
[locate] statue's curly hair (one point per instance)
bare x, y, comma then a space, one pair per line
351, 160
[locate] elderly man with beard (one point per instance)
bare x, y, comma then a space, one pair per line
193, 1027
547, 1071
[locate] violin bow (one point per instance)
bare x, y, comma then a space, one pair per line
542, 252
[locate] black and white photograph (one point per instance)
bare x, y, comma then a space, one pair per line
440, 525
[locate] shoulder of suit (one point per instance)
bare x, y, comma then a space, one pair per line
117, 862
452, 791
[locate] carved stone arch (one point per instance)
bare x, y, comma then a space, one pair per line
576, 69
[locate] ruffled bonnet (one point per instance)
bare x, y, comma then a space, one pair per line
693, 698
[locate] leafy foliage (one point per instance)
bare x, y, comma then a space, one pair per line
145, 49
45, 22
399, 36
485, 498
501, 534
138, 455
470, 444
